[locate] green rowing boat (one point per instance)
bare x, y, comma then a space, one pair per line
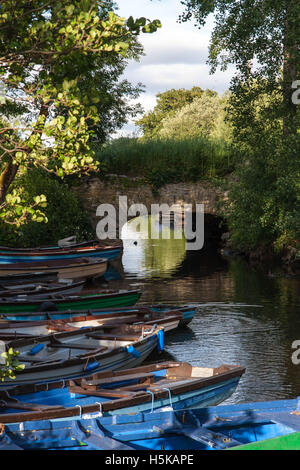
105, 299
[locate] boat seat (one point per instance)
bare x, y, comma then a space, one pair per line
97, 438
119, 378
112, 337
291, 420
104, 392
209, 438
171, 383
19, 405
32, 359
72, 346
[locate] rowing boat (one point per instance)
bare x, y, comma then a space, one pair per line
95, 250
79, 268
168, 320
42, 290
223, 427
69, 242
104, 299
12, 280
146, 388
68, 355
118, 314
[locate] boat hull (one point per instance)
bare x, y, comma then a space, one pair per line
18, 329
40, 291
116, 359
61, 254
147, 388
119, 314
167, 430
84, 302
80, 268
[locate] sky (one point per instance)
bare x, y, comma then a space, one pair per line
175, 56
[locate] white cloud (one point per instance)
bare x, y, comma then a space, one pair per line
176, 55
160, 77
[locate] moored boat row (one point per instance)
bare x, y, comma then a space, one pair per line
82, 381
92, 250
252, 426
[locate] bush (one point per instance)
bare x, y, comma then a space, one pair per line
64, 212
163, 161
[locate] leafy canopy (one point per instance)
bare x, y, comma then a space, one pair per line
46, 46
168, 103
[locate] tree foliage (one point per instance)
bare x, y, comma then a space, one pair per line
10, 364
64, 213
46, 47
168, 103
261, 38
205, 116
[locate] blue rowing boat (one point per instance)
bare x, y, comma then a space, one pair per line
108, 252
118, 314
213, 428
142, 389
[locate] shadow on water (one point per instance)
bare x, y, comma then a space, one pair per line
244, 317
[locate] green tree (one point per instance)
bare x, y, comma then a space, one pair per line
168, 103
64, 213
260, 37
205, 116
46, 46
115, 105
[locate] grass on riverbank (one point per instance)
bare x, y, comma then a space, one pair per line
167, 161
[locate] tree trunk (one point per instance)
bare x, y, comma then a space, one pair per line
10, 170
6, 178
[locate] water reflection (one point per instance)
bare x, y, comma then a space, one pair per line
245, 316
152, 249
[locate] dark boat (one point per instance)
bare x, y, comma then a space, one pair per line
168, 320
68, 355
79, 268
117, 314
42, 290
95, 250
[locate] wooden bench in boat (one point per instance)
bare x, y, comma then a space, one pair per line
113, 337
127, 390
44, 360
119, 378
105, 392
19, 405
33, 359
72, 346
10, 402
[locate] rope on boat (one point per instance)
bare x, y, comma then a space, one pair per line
80, 410
152, 406
100, 408
169, 391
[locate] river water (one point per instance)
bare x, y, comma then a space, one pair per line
244, 316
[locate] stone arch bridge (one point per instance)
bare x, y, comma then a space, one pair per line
94, 191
